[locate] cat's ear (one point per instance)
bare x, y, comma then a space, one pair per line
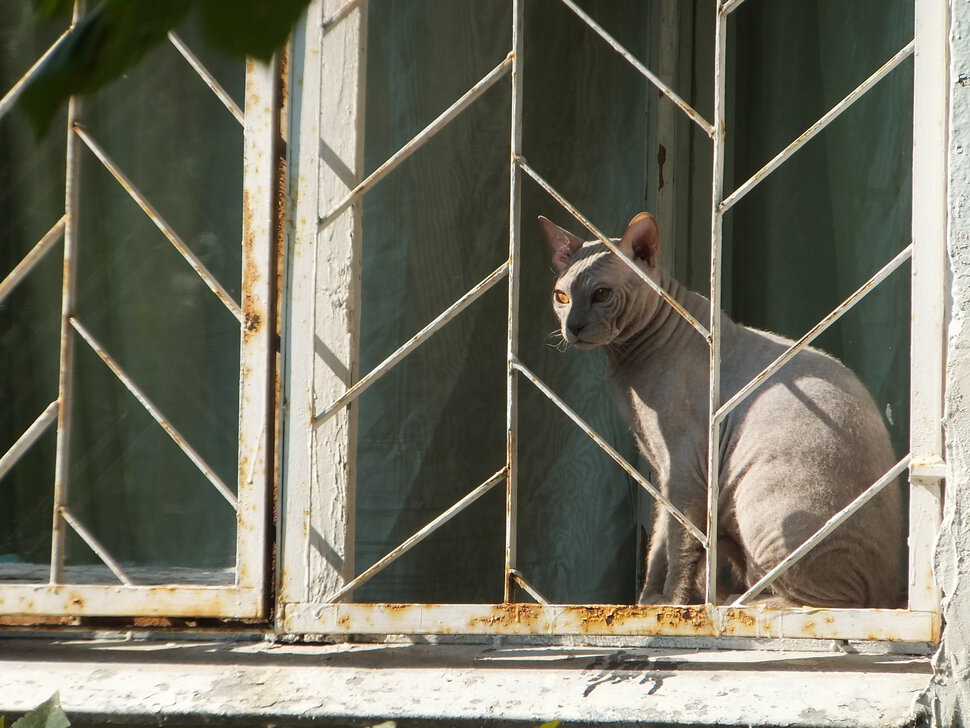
561, 242
642, 239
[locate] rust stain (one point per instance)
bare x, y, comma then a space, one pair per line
742, 618
509, 615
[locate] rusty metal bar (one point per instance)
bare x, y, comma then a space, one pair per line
827, 528
714, 362
818, 126
512, 344
517, 577
572, 210
36, 254
418, 536
65, 375
635, 62
814, 332
207, 77
10, 98
190, 257
612, 452
418, 141
27, 440
156, 414
100, 551
413, 343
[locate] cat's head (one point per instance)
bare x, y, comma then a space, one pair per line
597, 298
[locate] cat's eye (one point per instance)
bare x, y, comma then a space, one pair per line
561, 297
601, 294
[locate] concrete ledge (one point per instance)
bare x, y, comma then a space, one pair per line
260, 683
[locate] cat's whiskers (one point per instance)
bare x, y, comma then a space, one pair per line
556, 340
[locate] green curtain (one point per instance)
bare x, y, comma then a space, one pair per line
130, 485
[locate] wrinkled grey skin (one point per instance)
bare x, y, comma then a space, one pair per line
795, 452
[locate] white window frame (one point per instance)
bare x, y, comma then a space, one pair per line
322, 318
132, 596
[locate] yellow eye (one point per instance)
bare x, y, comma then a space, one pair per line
561, 297
601, 294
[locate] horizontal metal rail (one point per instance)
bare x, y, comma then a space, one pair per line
27, 440
574, 211
32, 258
827, 528
100, 551
694, 116
814, 332
527, 587
818, 126
419, 535
612, 452
207, 77
418, 141
190, 257
413, 343
10, 98
156, 414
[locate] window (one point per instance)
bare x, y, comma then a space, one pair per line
136, 309
439, 452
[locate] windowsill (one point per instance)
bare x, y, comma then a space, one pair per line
259, 683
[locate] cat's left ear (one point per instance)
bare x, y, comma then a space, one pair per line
641, 239
561, 242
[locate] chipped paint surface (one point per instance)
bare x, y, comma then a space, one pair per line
203, 683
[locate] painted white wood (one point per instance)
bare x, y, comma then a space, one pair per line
321, 318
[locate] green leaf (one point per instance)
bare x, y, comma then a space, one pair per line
47, 715
248, 27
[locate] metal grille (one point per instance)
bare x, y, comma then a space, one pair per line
140, 591
316, 600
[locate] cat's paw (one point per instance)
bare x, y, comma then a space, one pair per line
653, 599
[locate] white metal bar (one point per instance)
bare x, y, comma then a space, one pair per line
827, 528
729, 6
818, 126
572, 210
609, 619
190, 257
207, 77
928, 296
156, 414
646, 72
813, 333
512, 347
612, 452
10, 98
65, 376
419, 535
413, 343
26, 440
419, 140
714, 370
342, 12
100, 551
519, 579
36, 254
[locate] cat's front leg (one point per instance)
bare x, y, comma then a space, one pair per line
685, 563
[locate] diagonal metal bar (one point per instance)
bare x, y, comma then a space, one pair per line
613, 453
571, 209
418, 141
527, 587
814, 332
27, 440
190, 257
207, 77
94, 545
342, 12
818, 126
156, 414
419, 536
32, 258
728, 6
413, 343
694, 116
10, 98
827, 528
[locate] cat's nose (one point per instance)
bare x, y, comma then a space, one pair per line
575, 328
